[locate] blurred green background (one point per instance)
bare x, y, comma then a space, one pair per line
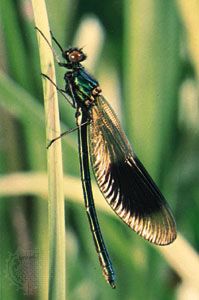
144, 54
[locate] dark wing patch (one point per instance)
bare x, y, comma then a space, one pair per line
123, 180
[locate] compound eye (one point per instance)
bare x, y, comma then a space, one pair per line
76, 56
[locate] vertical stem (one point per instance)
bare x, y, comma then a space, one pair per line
54, 161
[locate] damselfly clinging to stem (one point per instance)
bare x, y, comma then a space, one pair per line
121, 177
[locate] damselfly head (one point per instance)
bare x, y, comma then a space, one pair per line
74, 55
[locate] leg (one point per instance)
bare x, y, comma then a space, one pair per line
53, 51
62, 91
65, 133
61, 64
67, 78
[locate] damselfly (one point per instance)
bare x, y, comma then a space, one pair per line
121, 177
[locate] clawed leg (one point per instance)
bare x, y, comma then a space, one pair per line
62, 91
65, 133
56, 57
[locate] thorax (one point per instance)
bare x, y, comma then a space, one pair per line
82, 86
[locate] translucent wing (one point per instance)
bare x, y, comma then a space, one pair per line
123, 180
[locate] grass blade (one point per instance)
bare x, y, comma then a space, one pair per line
54, 161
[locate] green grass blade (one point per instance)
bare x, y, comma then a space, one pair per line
54, 161
152, 69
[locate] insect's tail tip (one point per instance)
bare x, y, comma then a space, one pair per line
112, 284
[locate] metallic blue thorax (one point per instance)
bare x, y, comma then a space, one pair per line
82, 85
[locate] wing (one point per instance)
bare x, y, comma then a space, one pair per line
123, 180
